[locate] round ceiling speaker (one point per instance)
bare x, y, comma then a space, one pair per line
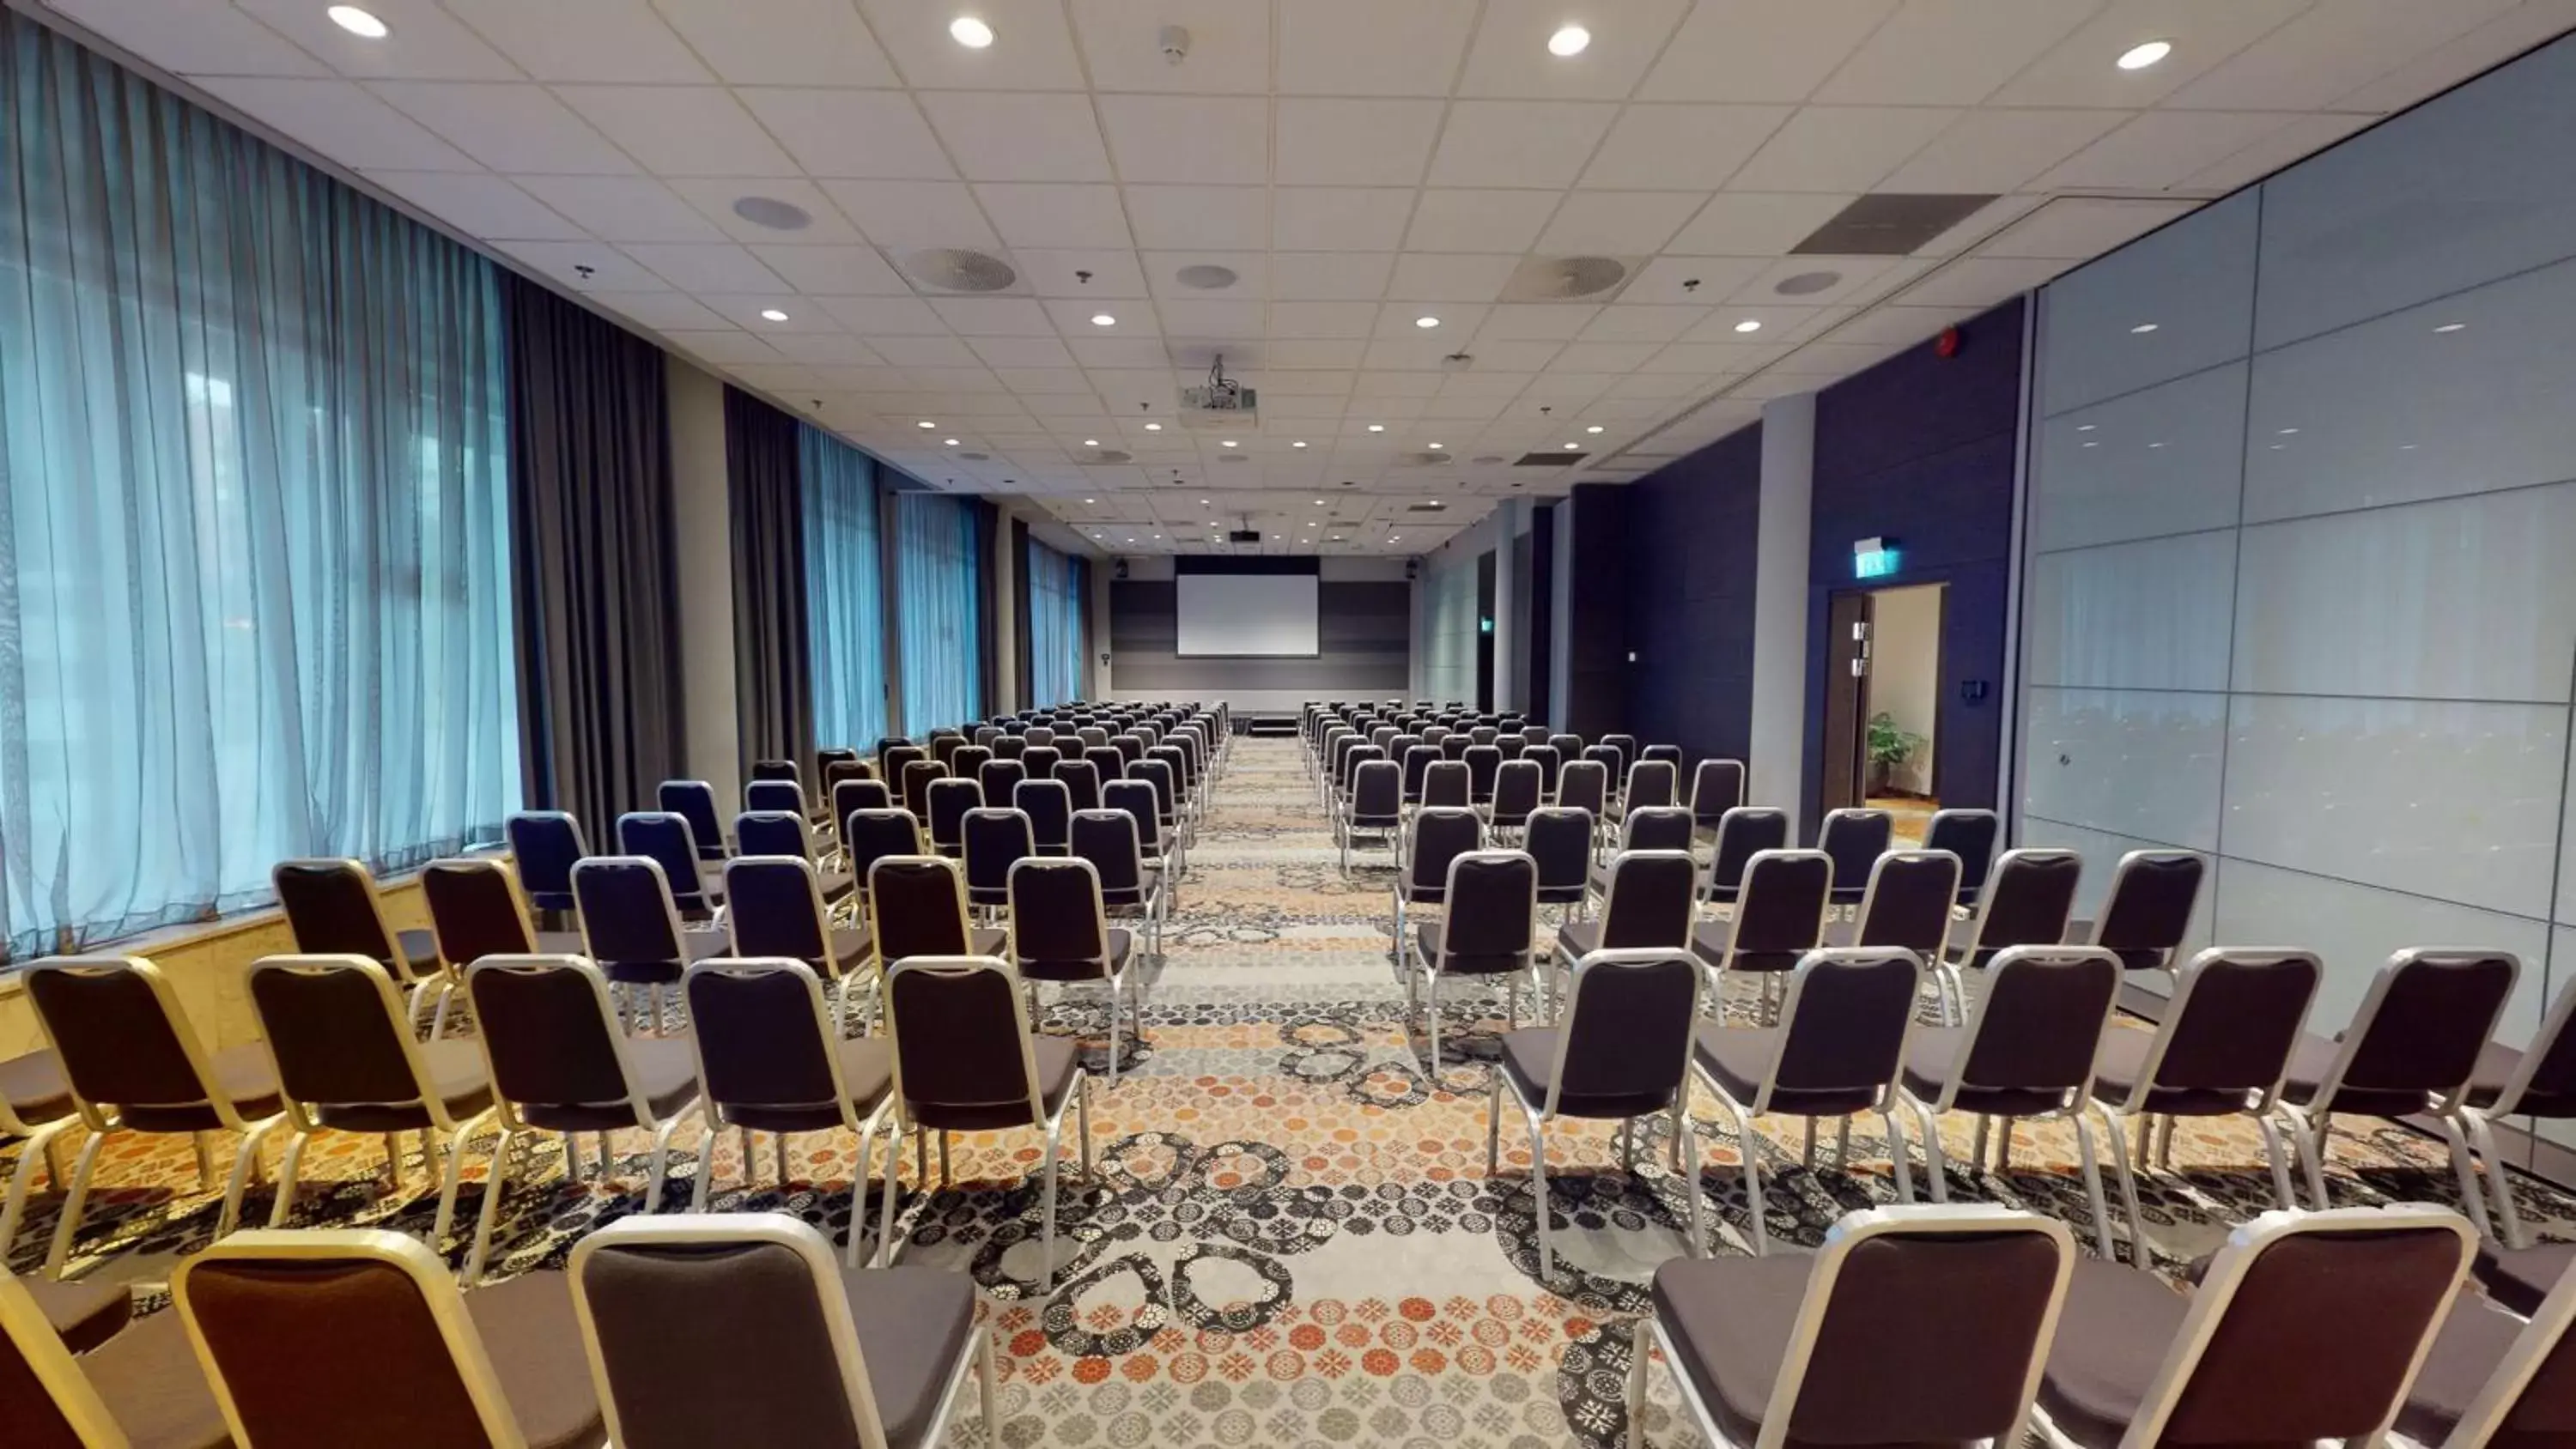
1207, 277
1806, 283
956, 269
772, 213
1572, 276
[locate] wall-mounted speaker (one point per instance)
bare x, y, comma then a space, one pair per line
1119, 569
1413, 568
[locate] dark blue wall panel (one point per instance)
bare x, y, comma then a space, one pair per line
1689, 576
1919, 450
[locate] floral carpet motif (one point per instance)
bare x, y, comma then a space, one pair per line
1290, 1237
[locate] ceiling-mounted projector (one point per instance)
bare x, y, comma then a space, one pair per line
1220, 402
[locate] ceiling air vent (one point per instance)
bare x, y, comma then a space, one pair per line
1432, 507
1548, 460
975, 457
1888, 224
956, 269
1487, 459
1428, 458
1207, 276
1113, 455
1561, 279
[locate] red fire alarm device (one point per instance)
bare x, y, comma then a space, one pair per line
1947, 344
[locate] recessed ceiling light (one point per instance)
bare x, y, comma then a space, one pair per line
1103, 319
1229, 443
1748, 325
2092, 445
2155, 445
1569, 40
2450, 326
1377, 427
2144, 327
772, 314
927, 423
1203, 503
2285, 432
2139, 57
951, 442
1091, 500
1153, 427
1298, 444
1573, 447
1426, 321
1395, 538
357, 22
2086, 427
1596, 427
970, 32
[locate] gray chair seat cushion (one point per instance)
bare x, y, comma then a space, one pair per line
419, 953
2496, 1065
2519, 1278
1739, 1058
1529, 1064
666, 1070
35, 1088
456, 1072
1931, 1054
149, 1379
1729, 1320
1058, 1059
2122, 1060
1121, 946
82, 1315
2112, 1336
913, 1324
532, 1334
1428, 937
867, 1070
2314, 1057
2473, 1342
244, 1074
1578, 939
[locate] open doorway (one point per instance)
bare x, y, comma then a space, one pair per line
1883, 704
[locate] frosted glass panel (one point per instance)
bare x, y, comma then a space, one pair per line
2444, 799
2356, 929
2395, 411
2163, 460
2102, 851
2130, 762
2174, 302
2150, 615
2468, 598
2475, 185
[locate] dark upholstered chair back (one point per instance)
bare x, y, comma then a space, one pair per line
118, 1043
547, 1030
1057, 918
2027, 900
669, 841
2147, 912
1651, 782
915, 784
774, 907
961, 1044
628, 913
1417, 763
1145, 798
1548, 762
1492, 897
1780, 914
868, 836
1447, 783
2425, 1020
1855, 839
1651, 901
1743, 833
1560, 840
1847, 1013
329, 1031
1518, 788
763, 771
949, 800
1655, 827
2236, 1016
773, 832
785, 796
1441, 833
999, 777
1970, 835
1584, 785
1483, 762
695, 802
1627, 1029
1111, 839
2040, 1022
995, 840
475, 910
1717, 786
1049, 806
1908, 903
331, 907
543, 845
918, 904
1377, 794
1081, 782
761, 1033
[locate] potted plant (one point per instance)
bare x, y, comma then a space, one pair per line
1889, 747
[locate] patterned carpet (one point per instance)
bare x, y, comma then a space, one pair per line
1292, 1239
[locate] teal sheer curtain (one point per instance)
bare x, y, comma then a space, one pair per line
844, 591
939, 577
1055, 626
254, 541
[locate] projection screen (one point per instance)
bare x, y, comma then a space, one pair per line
1236, 615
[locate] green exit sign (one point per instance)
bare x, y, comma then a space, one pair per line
1874, 558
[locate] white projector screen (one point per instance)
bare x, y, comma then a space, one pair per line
1236, 615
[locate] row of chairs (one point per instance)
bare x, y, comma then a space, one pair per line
361, 1337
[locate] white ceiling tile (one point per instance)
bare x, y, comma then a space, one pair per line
2077, 228
1041, 215
2163, 148
195, 39
1118, 351
1778, 323
1462, 409
2515, 31
1482, 383
1761, 50
1950, 52
1705, 358
1852, 276
907, 214
721, 267
715, 200
1681, 148
1625, 409
661, 310
1322, 319
624, 208
1058, 272
923, 351
1622, 223
1251, 271
479, 205
1397, 384
1229, 45
426, 42
1663, 386
584, 40
1294, 382
512, 128
1980, 281
885, 316
1687, 280
1750, 224
2332, 49
1219, 218
1640, 324
1996, 151
345, 123
745, 312
1773, 384
876, 134
999, 136
794, 42
722, 347
1211, 318
2080, 71
1516, 355
1602, 356
1203, 140
1480, 221
1447, 277
1501, 143
1510, 55
1036, 383
1031, 48
1898, 324
1348, 142
1001, 352
2304, 136
1840, 148
1414, 47
1547, 321
1330, 276
1456, 321
833, 270
1979, 224
681, 130
994, 317
1338, 218
609, 269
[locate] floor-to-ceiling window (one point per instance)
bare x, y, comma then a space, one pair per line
1056, 582
844, 590
254, 584
938, 606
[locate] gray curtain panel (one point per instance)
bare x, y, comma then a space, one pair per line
597, 585
773, 668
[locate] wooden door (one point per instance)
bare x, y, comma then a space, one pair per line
1846, 733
